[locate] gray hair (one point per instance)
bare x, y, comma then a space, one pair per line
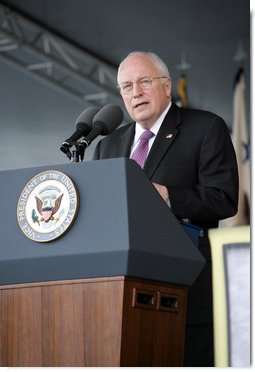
162, 67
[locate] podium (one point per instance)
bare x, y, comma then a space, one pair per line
112, 290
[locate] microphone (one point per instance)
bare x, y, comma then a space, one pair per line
104, 122
83, 127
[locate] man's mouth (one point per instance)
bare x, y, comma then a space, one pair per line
141, 104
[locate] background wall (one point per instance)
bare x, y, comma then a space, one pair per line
35, 119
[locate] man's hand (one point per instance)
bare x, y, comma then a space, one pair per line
163, 192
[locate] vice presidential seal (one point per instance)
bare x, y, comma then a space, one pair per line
47, 206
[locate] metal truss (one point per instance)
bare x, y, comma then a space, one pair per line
52, 60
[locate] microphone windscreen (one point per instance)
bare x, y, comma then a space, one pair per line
86, 117
108, 119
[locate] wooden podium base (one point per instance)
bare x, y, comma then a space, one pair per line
100, 322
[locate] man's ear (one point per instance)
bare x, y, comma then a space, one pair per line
168, 87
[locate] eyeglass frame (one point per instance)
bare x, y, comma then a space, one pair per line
137, 81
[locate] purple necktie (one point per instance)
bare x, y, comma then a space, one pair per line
141, 152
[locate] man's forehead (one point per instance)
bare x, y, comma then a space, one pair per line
136, 68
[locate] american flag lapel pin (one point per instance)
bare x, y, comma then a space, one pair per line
170, 135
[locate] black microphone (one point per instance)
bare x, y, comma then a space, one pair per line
104, 122
83, 127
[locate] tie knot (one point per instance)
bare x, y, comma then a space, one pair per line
146, 135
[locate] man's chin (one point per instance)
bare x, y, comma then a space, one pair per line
141, 117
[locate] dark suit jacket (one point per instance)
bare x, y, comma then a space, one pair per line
198, 167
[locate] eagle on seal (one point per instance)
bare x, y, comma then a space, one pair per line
47, 212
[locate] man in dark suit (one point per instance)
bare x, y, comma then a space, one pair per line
192, 164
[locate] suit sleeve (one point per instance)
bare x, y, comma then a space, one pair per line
96, 155
215, 196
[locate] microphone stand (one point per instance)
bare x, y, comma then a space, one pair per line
77, 155
73, 155
75, 158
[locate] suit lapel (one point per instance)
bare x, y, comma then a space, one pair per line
165, 137
124, 145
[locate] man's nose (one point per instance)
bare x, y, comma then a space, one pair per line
137, 90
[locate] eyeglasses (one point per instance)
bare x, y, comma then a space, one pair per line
144, 82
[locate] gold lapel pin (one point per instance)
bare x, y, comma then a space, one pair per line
170, 135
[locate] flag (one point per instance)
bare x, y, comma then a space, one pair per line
182, 91
242, 149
